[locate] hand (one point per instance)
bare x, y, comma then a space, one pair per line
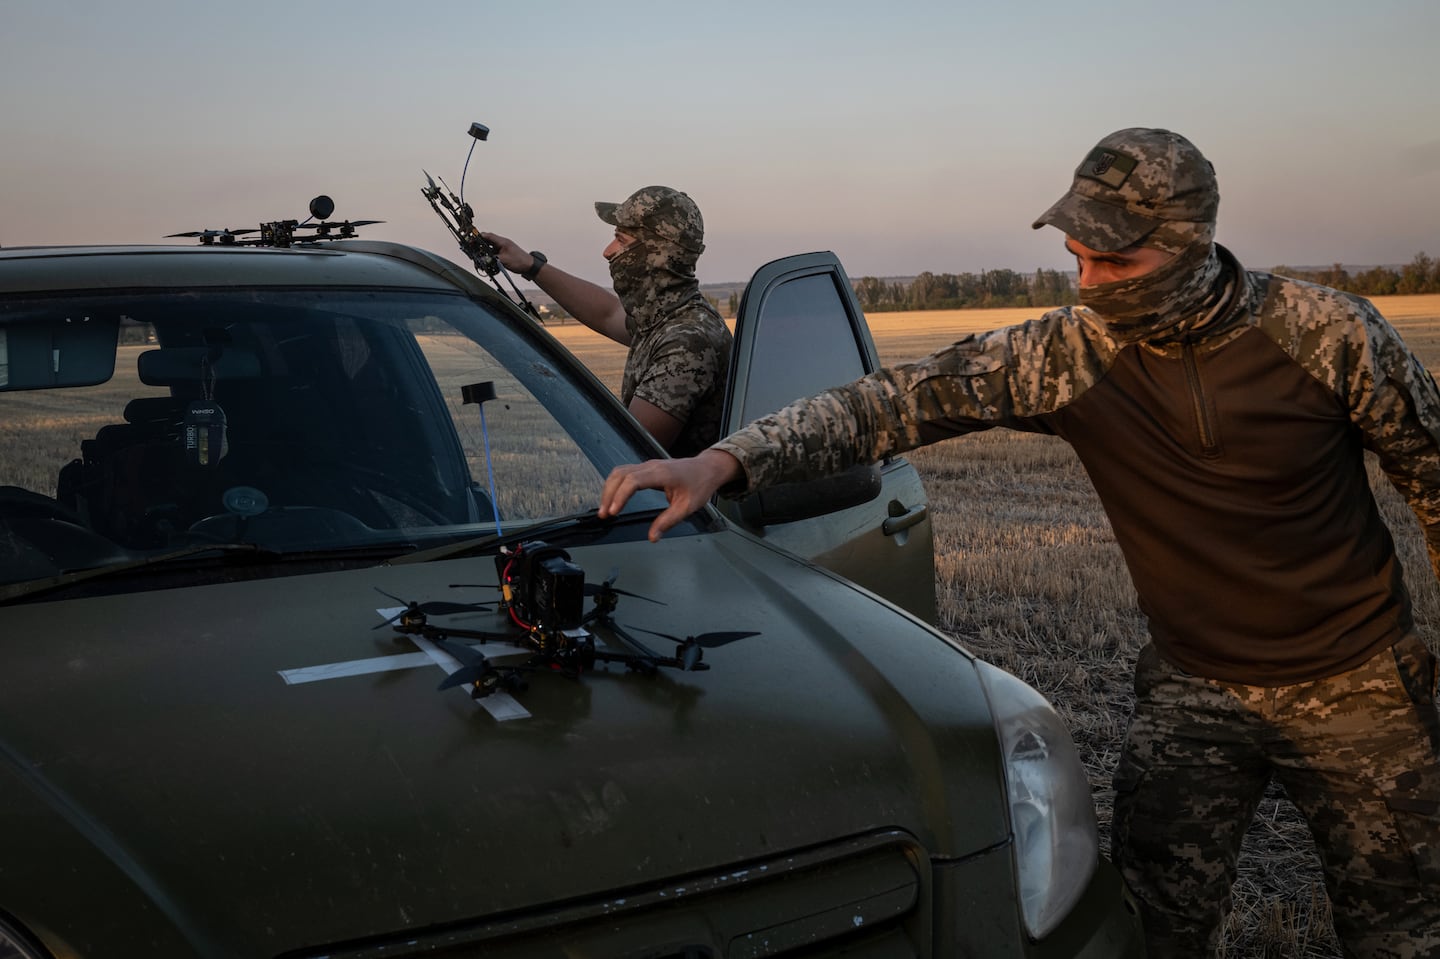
509, 253
688, 485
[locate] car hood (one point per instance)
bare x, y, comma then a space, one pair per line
159, 733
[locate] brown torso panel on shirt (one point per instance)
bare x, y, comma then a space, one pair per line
1236, 487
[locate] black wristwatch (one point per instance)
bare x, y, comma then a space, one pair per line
534, 270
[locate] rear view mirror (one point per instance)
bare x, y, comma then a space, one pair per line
58, 351
187, 364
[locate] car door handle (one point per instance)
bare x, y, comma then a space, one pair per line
909, 518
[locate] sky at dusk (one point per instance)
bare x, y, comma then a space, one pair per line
904, 136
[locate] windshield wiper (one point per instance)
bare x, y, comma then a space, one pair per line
32, 587
571, 524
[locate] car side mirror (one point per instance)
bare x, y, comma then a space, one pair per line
792, 502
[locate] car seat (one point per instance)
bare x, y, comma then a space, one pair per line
131, 482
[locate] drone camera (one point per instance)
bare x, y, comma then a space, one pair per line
545, 588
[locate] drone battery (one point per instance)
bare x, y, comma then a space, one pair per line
204, 431
557, 592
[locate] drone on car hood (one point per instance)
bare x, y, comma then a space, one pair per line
542, 604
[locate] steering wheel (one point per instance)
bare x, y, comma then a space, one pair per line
16, 501
354, 489
284, 526
56, 531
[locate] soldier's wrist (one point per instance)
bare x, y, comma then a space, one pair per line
727, 473
537, 260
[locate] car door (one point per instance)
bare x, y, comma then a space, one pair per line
800, 330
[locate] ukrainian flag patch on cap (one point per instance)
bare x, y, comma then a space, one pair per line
1107, 166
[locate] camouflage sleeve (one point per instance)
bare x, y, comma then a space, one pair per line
990, 379
1390, 395
684, 366
1398, 408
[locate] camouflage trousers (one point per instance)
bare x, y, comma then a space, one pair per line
1359, 756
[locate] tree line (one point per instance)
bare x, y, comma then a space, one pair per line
991, 289
963, 291
1420, 275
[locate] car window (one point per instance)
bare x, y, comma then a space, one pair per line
801, 346
295, 420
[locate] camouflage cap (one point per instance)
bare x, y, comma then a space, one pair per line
1130, 183
659, 211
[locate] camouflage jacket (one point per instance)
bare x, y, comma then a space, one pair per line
679, 362
1230, 464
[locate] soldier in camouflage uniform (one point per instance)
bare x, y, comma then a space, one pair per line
675, 372
1222, 415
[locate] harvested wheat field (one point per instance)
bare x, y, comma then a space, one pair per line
1030, 578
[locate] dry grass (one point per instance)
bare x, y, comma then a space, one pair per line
1030, 578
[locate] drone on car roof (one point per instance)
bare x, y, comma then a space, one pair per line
457, 215
542, 599
285, 233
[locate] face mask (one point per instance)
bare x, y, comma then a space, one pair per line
629, 272
653, 277
1182, 289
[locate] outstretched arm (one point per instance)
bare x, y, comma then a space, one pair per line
596, 307
687, 483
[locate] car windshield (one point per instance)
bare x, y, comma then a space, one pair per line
136, 425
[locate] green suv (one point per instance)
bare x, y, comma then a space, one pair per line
313, 645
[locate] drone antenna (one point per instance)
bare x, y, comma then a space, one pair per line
480, 132
321, 206
478, 393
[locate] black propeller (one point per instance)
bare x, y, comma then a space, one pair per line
221, 237
708, 640
608, 586
691, 648
438, 607
474, 667
212, 233
346, 228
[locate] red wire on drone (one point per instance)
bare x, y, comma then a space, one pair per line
510, 596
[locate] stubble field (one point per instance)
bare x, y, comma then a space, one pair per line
1029, 577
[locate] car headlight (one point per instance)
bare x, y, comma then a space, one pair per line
1051, 812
